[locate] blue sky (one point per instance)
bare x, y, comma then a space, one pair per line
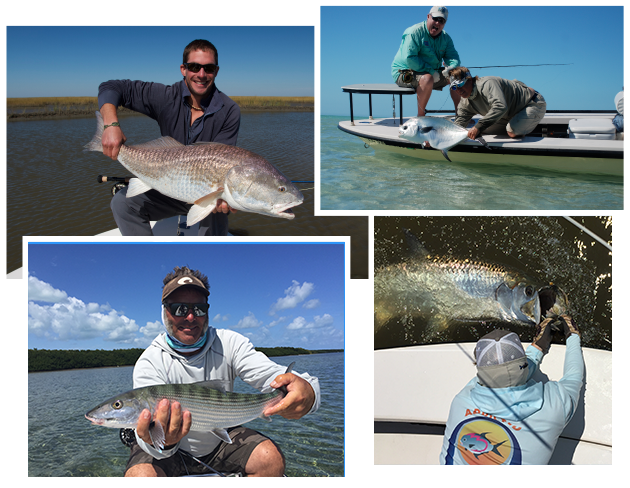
108, 295
358, 45
73, 61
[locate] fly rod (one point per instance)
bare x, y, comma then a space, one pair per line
518, 65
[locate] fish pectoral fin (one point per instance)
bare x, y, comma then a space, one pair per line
197, 213
156, 433
445, 154
222, 434
203, 207
210, 198
136, 187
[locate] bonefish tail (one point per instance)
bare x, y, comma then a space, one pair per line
96, 143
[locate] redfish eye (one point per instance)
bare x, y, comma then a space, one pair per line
282, 189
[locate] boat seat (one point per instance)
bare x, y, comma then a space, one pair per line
592, 129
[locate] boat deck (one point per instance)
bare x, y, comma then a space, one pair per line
414, 387
548, 147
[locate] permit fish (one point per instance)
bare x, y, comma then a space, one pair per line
212, 408
440, 133
202, 173
479, 444
444, 290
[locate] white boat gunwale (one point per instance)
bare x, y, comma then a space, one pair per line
549, 139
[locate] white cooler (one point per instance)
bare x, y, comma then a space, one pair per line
592, 129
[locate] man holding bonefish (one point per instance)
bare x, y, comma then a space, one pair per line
184, 359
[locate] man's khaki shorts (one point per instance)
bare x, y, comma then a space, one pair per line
416, 76
527, 119
226, 458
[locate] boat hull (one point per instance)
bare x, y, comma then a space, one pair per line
542, 153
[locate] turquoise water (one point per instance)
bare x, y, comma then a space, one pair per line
357, 178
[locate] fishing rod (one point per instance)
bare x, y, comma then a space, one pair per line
120, 183
517, 65
105, 179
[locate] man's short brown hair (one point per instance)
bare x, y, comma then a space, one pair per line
201, 45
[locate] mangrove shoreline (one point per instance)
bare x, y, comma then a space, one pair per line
40, 360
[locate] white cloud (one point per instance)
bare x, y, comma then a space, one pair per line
298, 323
69, 318
322, 321
248, 322
317, 323
43, 292
220, 318
311, 304
294, 295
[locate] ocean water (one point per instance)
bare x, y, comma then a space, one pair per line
354, 177
52, 187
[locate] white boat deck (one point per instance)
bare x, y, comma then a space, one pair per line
416, 385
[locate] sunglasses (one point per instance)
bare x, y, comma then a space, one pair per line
183, 309
455, 86
196, 67
439, 20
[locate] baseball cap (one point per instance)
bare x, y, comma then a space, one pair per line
501, 360
186, 280
439, 12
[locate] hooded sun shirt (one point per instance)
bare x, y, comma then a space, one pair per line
515, 425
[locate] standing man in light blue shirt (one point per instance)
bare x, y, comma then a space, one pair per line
418, 61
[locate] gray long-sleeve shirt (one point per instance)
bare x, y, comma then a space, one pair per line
166, 105
496, 99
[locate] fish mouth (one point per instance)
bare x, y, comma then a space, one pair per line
286, 212
95, 421
552, 300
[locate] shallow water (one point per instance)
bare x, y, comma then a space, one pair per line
358, 178
61, 442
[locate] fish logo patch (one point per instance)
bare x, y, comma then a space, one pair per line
482, 440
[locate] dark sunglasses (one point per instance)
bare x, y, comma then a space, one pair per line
196, 67
440, 20
183, 309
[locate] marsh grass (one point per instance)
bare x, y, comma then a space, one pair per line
69, 106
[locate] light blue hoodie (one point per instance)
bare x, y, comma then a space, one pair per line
517, 425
